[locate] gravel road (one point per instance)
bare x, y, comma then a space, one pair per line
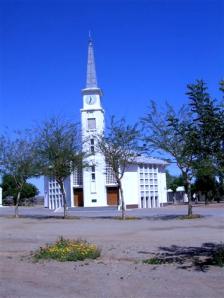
119, 272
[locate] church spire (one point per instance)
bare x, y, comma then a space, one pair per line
91, 81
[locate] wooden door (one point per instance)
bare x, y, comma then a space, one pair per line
78, 197
112, 196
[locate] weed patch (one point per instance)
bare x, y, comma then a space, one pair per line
127, 218
218, 256
193, 216
67, 250
209, 254
154, 261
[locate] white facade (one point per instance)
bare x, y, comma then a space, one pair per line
144, 181
92, 120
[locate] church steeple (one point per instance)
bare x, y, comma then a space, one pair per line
92, 115
91, 80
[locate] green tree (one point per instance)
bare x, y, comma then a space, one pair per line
9, 189
221, 86
219, 154
18, 159
208, 118
173, 182
172, 133
120, 147
207, 186
59, 148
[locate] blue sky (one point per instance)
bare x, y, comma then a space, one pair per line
143, 49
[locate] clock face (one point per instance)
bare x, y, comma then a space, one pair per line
90, 100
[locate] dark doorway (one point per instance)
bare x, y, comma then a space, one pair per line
112, 196
78, 197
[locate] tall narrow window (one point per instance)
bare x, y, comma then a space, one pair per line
147, 202
93, 173
91, 123
92, 149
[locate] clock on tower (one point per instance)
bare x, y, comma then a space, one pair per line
90, 100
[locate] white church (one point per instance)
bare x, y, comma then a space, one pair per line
144, 181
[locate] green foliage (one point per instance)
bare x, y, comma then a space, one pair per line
206, 118
208, 254
193, 137
67, 250
172, 133
207, 186
29, 191
208, 122
18, 159
154, 261
218, 256
59, 148
119, 146
173, 181
221, 88
10, 189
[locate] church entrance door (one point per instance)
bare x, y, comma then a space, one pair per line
78, 197
112, 196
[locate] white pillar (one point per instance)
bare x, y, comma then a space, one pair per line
46, 200
0, 197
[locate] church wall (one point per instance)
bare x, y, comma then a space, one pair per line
68, 191
46, 192
162, 187
94, 190
130, 185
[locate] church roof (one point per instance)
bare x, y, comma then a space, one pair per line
150, 160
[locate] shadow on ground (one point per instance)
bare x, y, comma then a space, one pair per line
200, 258
41, 217
92, 216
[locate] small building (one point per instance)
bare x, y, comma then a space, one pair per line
144, 180
177, 197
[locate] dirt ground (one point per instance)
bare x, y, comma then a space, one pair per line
119, 272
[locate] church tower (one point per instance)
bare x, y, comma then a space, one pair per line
92, 120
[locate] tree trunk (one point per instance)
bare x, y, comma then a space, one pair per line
187, 183
220, 188
206, 198
17, 204
189, 199
61, 183
122, 199
174, 198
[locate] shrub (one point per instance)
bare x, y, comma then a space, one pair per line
67, 250
153, 261
192, 216
218, 256
127, 218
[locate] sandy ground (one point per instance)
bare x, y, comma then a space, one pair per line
119, 272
